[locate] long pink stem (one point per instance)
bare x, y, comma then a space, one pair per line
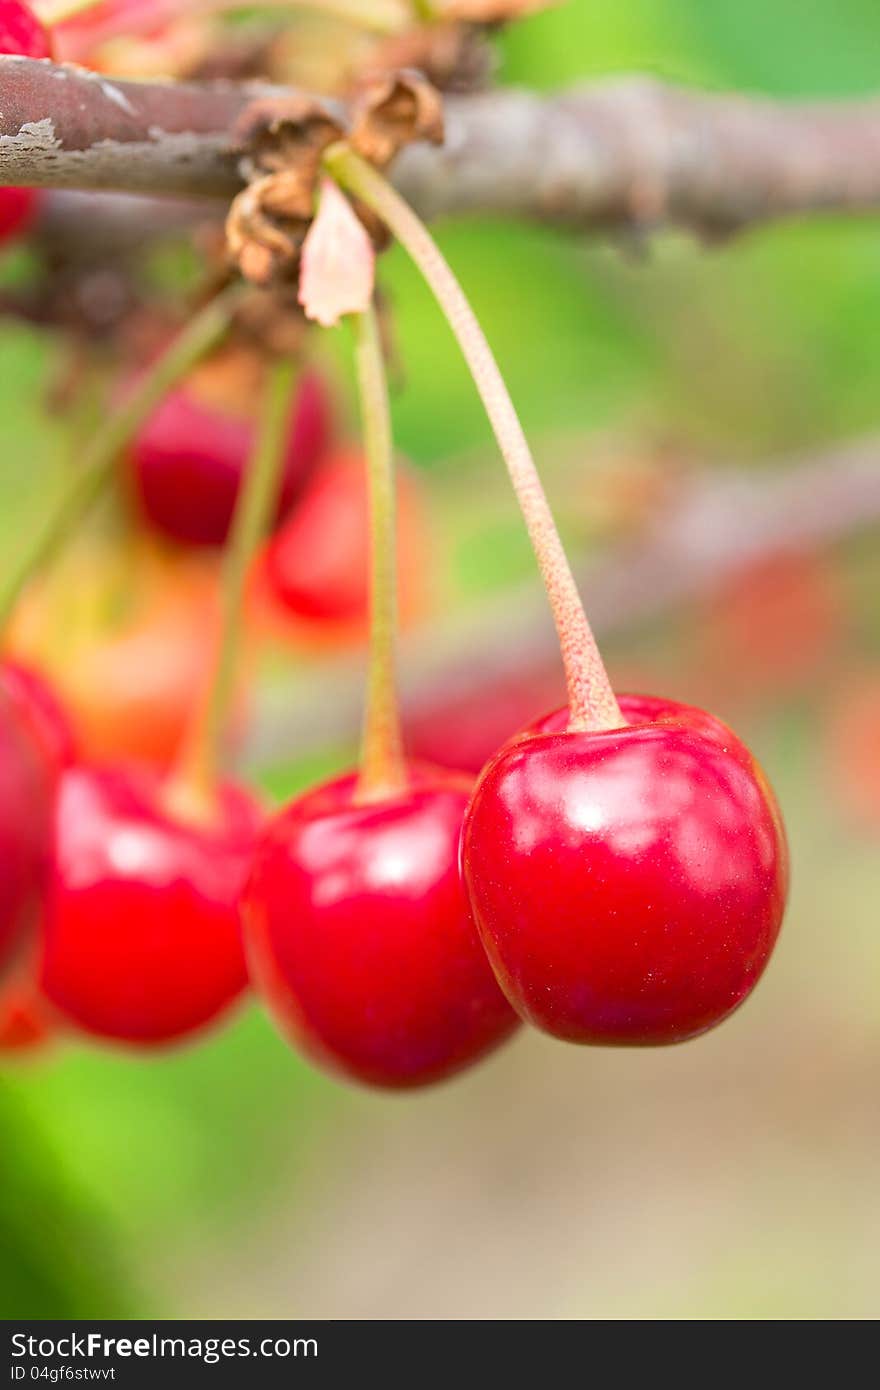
592, 703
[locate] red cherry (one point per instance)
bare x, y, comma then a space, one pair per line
190, 457
854, 744
20, 33
26, 788
772, 627
18, 207
628, 885
318, 563
360, 936
143, 942
39, 707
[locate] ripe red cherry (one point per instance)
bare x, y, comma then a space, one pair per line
360, 937
20, 33
628, 885
27, 783
191, 456
142, 940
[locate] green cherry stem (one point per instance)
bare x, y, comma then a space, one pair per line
383, 767
193, 785
592, 703
84, 485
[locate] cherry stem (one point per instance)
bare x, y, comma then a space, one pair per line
193, 786
592, 703
84, 486
383, 767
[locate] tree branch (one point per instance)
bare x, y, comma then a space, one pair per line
68, 127
717, 526
632, 152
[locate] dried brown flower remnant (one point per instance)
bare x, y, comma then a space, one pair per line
281, 144
393, 111
286, 134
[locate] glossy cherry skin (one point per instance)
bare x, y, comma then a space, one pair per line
360, 938
27, 784
142, 938
20, 33
190, 458
628, 885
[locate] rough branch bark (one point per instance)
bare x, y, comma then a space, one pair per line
631, 152
717, 527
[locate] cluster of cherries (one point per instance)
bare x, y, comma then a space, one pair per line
622, 885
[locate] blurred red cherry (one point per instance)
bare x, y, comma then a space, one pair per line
317, 566
772, 627
27, 784
465, 730
854, 744
20, 33
25, 1024
142, 940
361, 939
126, 639
189, 459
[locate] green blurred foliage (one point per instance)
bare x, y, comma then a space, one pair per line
152, 1185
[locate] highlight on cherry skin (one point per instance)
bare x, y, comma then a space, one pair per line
142, 935
628, 885
360, 938
189, 459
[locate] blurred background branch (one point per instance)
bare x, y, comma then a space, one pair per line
632, 152
715, 526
